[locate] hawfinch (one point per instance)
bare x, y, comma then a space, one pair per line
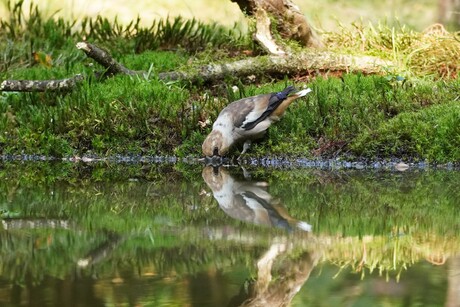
249, 201
247, 119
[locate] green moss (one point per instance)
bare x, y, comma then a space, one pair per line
375, 115
432, 133
341, 111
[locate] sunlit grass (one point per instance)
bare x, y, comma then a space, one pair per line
432, 53
324, 14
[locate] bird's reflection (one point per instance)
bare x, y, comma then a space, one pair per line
249, 201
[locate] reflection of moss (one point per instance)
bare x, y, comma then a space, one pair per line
391, 214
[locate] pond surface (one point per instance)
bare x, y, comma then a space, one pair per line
105, 234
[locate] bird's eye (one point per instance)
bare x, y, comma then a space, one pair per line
216, 151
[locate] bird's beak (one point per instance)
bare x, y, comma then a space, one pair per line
213, 161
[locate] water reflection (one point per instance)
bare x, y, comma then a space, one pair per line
101, 251
281, 273
249, 201
205, 237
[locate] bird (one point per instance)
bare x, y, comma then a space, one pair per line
249, 201
248, 119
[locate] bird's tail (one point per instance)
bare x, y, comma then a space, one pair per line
279, 104
304, 226
303, 92
284, 93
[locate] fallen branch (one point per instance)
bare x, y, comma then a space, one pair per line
106, 60
294, 64
100, 56
38, 223
263, 65
41, 85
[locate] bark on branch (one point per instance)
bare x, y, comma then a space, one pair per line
298, 63
294, 64
105, 59
100, 56
41, 85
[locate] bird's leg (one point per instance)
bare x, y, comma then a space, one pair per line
246, 174
246, 146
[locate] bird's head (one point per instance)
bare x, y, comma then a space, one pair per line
215, 177
215, 145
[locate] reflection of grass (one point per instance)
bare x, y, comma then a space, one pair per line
382, 222
389, 255
184, 251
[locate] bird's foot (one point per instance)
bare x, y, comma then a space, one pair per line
246, 146
246, 174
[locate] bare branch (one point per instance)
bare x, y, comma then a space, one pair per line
92, 51
105, 59
41, 85
263, 34
294, 64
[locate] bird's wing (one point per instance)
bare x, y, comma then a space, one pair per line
275, 219
247, 109
271, 103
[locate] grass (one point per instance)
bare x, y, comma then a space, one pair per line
408, 113
324, 14
432, 53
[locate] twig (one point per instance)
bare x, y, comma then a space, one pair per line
24, 223
41, 85
106, 60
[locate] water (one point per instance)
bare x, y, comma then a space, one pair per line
146, 234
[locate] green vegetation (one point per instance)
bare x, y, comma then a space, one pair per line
408, 113
432, 53
157, 217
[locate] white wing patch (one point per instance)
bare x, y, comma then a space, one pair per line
252, 116
303, 92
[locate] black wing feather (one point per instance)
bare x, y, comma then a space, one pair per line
275, 218
275, 100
